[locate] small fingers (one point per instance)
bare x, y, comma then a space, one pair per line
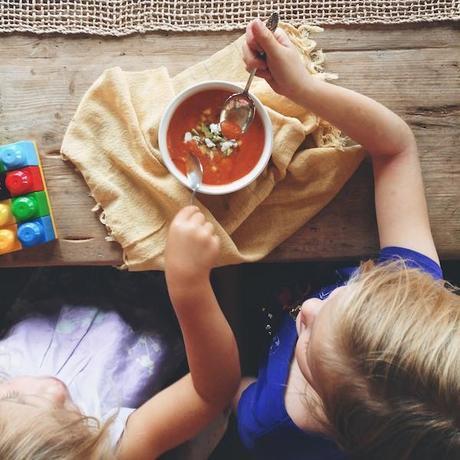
262, 73
250, 40
264, 37
251, 59
197, 218
216, 241
186, 212
282, 37
209, 228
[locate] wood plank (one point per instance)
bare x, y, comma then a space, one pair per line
200, 45
413, 70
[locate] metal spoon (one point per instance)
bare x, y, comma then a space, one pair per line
194, 173
239, 108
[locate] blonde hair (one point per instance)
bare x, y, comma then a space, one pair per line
394, 366
51, 435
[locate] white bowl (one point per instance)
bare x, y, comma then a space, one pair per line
231, 186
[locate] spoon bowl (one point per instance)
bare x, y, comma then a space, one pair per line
239, 109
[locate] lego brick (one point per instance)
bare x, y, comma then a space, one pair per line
4, 192
30, 206
9, 241
23, 181
18, 155
35, 232
46, 190
6, 214
25, 212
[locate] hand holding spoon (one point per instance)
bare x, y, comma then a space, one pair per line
239, 108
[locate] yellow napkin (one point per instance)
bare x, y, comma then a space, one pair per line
113, 141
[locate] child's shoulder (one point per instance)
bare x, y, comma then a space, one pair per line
413, 259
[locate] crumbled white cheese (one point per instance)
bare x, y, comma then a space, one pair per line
187, 137
214, 128
224, 146
209, 143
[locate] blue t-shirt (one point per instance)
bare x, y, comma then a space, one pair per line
264, 425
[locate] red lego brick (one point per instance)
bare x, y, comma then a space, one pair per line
25, 180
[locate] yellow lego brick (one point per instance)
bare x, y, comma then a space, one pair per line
9, 240
6, 216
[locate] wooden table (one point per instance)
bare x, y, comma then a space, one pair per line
414, 70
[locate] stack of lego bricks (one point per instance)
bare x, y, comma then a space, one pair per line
25, 212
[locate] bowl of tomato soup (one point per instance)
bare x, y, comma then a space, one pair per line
231, 160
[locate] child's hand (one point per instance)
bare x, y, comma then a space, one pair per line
192, 247
283, 68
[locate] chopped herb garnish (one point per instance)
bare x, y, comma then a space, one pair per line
210, 140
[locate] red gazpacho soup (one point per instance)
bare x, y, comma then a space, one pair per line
225, 153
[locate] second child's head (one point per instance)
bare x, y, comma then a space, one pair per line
39, 420
381, 356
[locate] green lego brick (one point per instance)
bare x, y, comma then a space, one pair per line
30, 206
2, 168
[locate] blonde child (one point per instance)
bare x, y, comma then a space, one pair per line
370, 369
63, 372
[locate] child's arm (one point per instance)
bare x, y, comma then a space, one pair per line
401, 208
180, 411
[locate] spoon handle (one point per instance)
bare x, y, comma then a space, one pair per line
248, 84
272, 24
192, 197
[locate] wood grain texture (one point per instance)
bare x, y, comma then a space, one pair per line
414, 70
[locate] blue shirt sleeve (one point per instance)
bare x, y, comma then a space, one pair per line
413, 259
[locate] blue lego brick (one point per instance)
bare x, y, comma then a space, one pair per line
18, 155
35, 232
